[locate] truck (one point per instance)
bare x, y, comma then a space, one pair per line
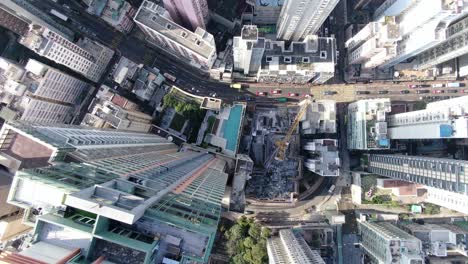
281, 99
236, 86
169, 77
59, 15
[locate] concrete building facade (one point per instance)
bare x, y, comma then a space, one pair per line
122, 196
301, 18
39, 93
85, 57
247, 50
442, 119
195, 48
367, 124
290, 247
191, 14
386, 243
324, 157
444, 174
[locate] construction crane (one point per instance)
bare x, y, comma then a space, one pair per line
282, 145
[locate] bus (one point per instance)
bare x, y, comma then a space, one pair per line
281, 99
169, 76
59, 15
453, 85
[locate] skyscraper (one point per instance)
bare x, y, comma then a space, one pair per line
290, 247
86, 57
300, 18
126, 197
189, 13
442, 119
386, 243
248, 50
195, 48
39, 93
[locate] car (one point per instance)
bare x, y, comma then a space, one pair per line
277, 91
262, 93
362, 92
438, 85
465, 91
329, 92
452, 91
293, 94
308, 95
405, 92
422, 91
418, 85
438, 91
383, 92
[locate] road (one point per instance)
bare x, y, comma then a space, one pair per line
137, 49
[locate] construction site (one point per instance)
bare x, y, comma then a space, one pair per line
272, 140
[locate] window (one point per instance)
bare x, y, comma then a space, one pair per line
168, 26
305, 59
323, 54
287, 59
269, 58
183, 34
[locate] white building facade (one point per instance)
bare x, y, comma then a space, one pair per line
86, 57
195, 48
39, 93
442, 119
290, 247
300, 18
367, 124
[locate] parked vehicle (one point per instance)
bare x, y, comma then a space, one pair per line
452, 91
262, 93
404, 91
332, 188
438, 91
465, 91
293, 94
438, 85
383, 92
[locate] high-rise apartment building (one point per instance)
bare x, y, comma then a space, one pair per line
265, 12
39, 93
374, 44
300, 18
312, 59
290, 247
441, 119
386, 243
367, 124
121, 196
324, 158
445, 174
422, 25
191, 14
248, 50
195, 48
85, 57
455, 45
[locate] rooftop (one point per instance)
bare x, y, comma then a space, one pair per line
315, 54
152, 16
324, 158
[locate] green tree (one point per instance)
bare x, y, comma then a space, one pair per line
248, 242
266, 232
255, 231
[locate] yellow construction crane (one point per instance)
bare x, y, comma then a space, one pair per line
282, 145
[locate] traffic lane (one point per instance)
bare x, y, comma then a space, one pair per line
104, 31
